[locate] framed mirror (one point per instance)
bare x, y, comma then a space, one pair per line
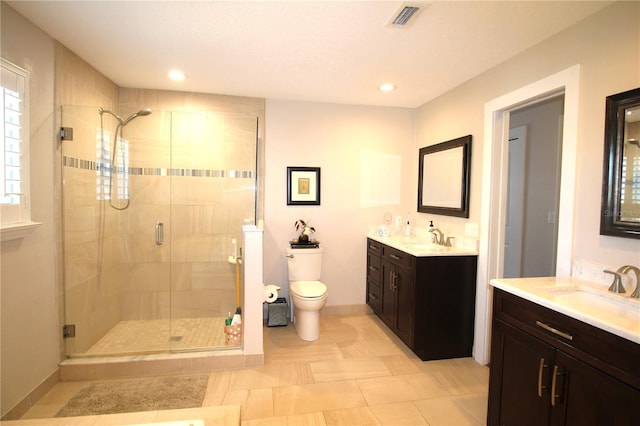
620, 215
444, 172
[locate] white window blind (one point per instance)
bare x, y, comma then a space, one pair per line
14, 159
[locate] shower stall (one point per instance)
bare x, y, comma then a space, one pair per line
153, 209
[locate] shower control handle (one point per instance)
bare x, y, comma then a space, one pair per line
159, 233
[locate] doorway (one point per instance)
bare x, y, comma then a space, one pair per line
533, 189
494, 188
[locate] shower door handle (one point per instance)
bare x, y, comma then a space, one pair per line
159, 233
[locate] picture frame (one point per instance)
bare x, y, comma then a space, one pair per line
303, 186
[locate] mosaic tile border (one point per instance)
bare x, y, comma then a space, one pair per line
79, 163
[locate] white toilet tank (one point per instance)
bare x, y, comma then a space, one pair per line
304, 264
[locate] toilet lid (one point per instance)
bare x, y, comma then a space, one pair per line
308, 288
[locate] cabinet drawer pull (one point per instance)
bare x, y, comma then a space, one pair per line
372, 296
374, 247
394, 257
540, 371
373, 268
554, 330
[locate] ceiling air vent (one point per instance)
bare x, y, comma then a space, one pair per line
403, 16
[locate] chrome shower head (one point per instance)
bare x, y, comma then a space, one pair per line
102, 111
635, 142
123, 123
140, 113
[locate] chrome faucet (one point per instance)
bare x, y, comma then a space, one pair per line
616, 286
438, 237
629, 268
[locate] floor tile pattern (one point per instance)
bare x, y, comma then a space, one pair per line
357, 373
148, 336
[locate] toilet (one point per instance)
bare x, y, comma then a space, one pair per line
307, 293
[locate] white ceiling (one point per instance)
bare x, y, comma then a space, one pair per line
321, 51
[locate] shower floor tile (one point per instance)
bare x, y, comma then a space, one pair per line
145, 336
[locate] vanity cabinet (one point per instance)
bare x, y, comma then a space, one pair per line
427, 301
551, 369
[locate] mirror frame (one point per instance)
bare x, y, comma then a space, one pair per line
463, 210
612, 170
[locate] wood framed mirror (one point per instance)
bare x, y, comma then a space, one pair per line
620, 211
444, 172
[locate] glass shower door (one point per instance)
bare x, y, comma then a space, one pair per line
213, 194
115, 191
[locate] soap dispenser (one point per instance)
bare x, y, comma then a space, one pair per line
433, 234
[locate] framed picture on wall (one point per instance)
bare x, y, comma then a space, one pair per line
303, 186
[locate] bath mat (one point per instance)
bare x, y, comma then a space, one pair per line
128, 396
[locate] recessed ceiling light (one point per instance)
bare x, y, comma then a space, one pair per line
387, 87
176, 75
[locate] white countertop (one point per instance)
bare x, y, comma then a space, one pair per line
420, 248
583, 300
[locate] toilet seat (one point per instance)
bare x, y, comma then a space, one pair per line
309, 290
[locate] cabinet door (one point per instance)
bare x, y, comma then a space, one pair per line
586, 396
403, 324
388, 295
519, 378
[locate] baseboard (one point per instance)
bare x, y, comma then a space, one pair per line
346, 309
33, 397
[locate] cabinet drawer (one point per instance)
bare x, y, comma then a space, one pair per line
373, 268
373, 246
374, 295
397, 257
613, 354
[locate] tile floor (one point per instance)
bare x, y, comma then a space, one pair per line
150, 336
357, 373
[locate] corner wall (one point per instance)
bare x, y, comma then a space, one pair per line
29, 348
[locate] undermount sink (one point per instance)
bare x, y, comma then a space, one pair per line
597, 298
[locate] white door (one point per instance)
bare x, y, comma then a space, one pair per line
515, 202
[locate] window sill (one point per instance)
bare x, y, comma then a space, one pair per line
16, 231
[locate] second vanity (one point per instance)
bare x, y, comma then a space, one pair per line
425, 293
564, 351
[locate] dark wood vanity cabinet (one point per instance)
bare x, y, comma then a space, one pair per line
428, 302
550, 369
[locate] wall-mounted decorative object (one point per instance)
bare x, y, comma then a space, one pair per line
444, 173
620, 211
303, 186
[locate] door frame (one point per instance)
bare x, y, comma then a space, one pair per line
494, 177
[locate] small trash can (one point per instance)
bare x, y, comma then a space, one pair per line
277, 313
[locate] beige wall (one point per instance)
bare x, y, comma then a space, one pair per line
29, 310
608, 66
342, 140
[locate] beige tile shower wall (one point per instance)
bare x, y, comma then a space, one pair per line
135, 99
203, 209
93, 270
